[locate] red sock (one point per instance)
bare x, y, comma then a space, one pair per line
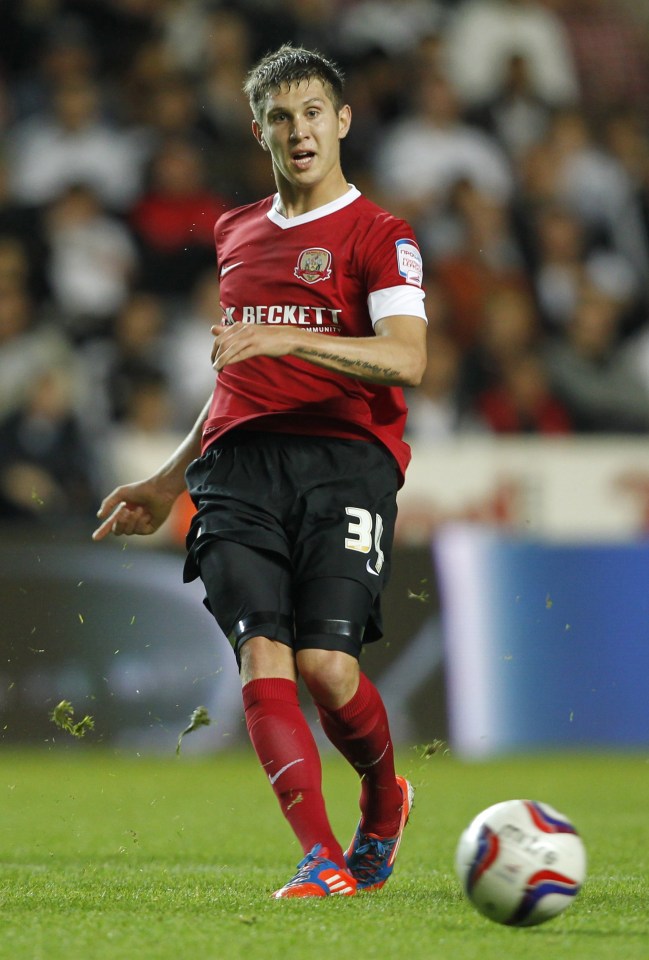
361, 732
289, 755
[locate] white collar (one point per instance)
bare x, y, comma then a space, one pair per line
333, 206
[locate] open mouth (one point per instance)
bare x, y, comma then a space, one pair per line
302, 159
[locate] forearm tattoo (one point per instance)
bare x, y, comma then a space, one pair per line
359, 366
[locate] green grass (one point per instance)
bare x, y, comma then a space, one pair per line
106, 856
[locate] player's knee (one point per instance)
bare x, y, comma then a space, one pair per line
261, 658
331, 676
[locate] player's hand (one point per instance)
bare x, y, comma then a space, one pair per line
241, 341
134, 508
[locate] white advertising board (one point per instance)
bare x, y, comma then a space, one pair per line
568, 488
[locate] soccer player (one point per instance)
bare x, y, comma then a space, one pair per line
295, 463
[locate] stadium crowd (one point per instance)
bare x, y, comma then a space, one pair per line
512, 134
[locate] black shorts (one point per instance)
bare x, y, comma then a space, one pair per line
292, 537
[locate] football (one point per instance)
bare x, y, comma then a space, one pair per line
521, 862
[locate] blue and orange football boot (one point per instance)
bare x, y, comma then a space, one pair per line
370, 859
318, 876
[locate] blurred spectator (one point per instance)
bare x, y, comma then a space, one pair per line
571, 168
483, 37
14, 265
522, 402
63, 55
143, 436
226, 58
592, 374
46, 464
610, 51
188, 350
315, 23
635, 349
626, 137
27, 344
182, 27
393, 26
425, 154
250, 177
135, 348
174, 219
509, 332
173, 111
117, 28
515, 114
598, 187
23, 225
135, 87
375, 85
24, 25
91, 264
7, 105
639, 13
565, 259
559, 251
486, 261
435, 411
73, 144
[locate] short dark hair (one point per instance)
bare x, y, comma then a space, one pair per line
290, 65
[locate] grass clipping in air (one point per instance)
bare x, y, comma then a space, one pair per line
63, 716
199, 718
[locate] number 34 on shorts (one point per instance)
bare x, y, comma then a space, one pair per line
364, 532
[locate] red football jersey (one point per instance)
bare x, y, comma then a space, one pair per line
333, 272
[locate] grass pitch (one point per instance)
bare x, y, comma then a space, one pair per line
106, 856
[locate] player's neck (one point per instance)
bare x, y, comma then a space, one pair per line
296, 200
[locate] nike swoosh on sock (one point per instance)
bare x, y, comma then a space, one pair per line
286, 766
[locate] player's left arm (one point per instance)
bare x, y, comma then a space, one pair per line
394, 356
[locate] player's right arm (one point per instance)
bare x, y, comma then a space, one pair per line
142, 507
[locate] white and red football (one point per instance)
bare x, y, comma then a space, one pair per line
521, 862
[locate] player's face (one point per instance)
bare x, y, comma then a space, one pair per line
302, 131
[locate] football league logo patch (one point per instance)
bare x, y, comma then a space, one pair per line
313, 265
409, 262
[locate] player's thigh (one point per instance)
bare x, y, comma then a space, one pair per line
239, 496
348, 519
249, 592
331, 614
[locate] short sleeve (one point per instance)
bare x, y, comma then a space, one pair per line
393, 269
396, 301
390, 255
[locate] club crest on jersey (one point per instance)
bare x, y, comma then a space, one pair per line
409, 262
313, 265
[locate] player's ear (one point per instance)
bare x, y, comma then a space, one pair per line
344, 121
258, 135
